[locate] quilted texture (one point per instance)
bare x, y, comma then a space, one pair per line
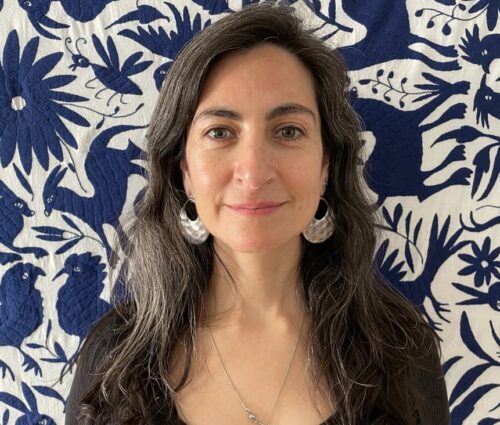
78, 82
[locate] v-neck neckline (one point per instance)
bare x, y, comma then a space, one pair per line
179, 421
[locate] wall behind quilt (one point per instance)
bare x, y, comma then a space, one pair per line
78, 82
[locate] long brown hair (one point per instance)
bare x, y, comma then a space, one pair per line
366, 339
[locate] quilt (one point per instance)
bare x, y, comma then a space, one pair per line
78, 83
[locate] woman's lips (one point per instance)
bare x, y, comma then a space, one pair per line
261, 208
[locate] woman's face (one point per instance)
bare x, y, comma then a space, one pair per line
252, 155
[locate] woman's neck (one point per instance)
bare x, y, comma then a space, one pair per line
267, 288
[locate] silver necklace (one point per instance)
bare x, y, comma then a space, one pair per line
251, 416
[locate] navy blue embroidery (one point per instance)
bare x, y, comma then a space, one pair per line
21, 311
30, 114
108, 170
424, 82
113, 76
29, 410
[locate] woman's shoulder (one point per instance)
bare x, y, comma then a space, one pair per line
430, 381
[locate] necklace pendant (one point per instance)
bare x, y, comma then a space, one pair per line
252, 418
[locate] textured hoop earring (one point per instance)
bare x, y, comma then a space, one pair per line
319, 230
194, 231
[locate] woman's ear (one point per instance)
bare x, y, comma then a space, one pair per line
325, 169
186, 181
324, 175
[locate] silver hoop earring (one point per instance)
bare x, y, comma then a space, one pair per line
319, 230
193, 231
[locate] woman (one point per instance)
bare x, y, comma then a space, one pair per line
252, 294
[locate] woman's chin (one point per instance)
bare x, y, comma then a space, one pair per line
256, 243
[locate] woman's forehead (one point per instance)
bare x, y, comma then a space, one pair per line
265, 81
263, 73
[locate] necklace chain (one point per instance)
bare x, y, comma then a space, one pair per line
251, 416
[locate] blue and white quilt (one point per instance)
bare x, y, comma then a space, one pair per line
78, 83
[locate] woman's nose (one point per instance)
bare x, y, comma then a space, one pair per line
255, 164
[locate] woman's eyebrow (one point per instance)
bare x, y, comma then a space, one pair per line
283, 109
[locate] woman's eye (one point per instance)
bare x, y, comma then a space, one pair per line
301, 133
216, 130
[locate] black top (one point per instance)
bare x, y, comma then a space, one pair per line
433, 410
